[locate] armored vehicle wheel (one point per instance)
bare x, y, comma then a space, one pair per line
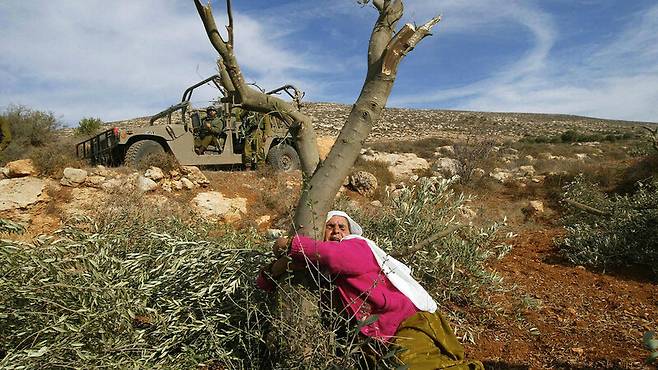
141, 150
283, 158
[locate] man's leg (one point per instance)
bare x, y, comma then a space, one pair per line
203, 144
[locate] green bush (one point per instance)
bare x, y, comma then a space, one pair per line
29, 129
619, 231
451, 268
88, 126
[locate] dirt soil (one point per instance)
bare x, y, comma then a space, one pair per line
557, 315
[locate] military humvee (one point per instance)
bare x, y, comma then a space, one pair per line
131, 145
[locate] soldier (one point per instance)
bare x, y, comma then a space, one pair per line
260, 126
211, 131
5, 133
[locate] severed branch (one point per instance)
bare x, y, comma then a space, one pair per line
427, 241
586, 208
405, 41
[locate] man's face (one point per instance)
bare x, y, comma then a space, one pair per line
212, 113
336, 228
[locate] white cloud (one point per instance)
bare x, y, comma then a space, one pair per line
120, 59
617, 80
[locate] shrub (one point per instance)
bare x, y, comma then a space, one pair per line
88, 126
452, 268
29, 129
472, 155
51, 159
619, 231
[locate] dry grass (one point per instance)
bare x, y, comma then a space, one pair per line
165, 161
423, 148
52, 158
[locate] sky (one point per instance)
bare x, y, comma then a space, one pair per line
122, 59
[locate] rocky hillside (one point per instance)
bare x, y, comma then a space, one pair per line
403, 123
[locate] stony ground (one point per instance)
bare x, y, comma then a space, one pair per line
551, 315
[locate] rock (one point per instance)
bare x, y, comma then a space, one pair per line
500, 175
581, 156
526, 170
145, 184
363, 182
112, 184
166, 186
447, 167
545, 155
4, 173
447, 150
533, 208
95, 181
214, 206
73, 177
538, 179
154, 173
477, 174
178, 185
174, 174
274, 233
529, 158
20, 168
195, 175
401, 165
21, 192
376, 203
101, 170
263, 220
186, 183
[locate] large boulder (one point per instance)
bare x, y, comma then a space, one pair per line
20, 168
401, 165
363, 182
446, 167
21, 192
214, 206
73, 177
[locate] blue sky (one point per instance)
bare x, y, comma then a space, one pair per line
126, 58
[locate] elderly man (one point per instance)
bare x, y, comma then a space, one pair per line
369, 282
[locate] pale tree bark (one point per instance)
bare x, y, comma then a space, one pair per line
385, 51
322, 179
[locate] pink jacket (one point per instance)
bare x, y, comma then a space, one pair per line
362, 286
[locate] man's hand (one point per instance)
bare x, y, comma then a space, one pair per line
208, 125
280, 246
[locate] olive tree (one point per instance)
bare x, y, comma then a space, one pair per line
387, 47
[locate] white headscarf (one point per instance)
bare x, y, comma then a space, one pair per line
397, 272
